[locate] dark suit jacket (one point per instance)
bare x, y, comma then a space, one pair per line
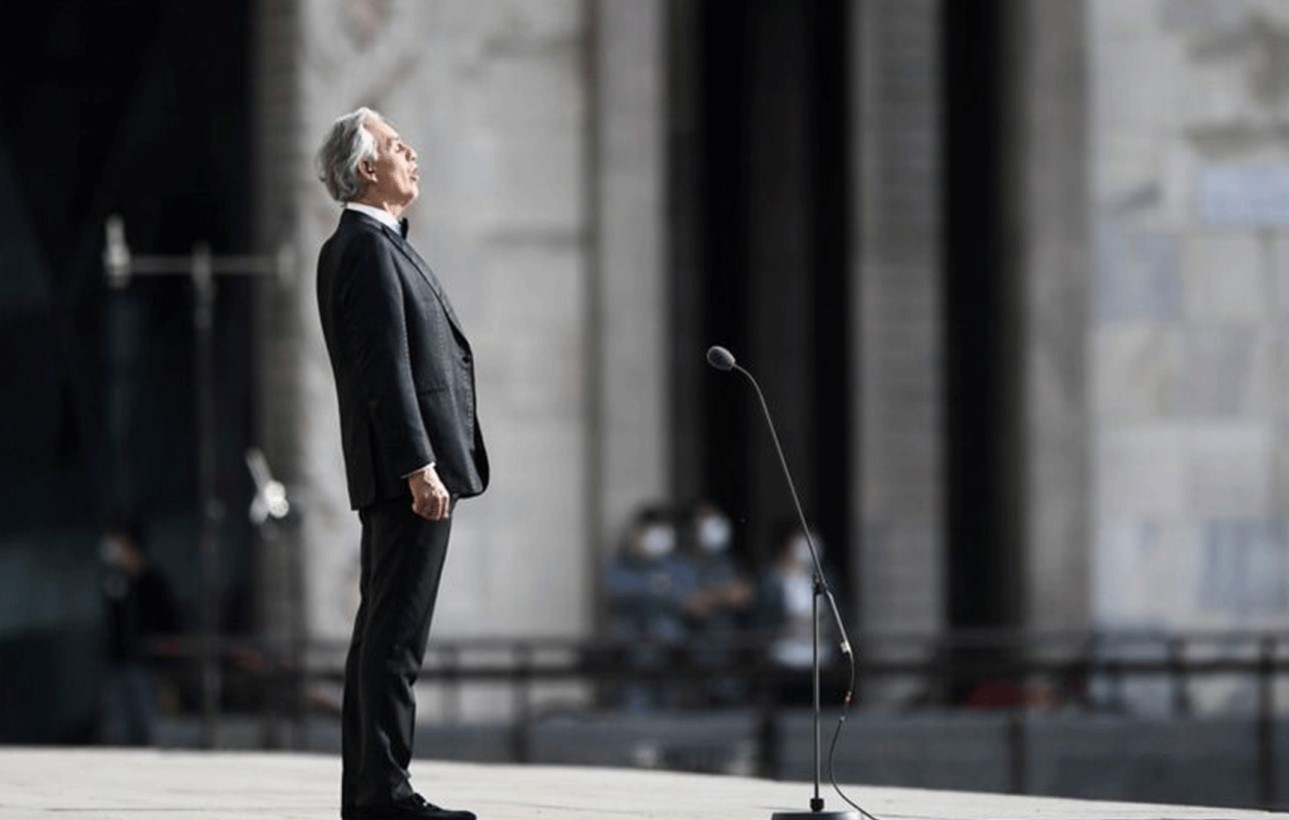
403, 367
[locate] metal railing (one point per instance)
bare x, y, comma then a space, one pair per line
939, 666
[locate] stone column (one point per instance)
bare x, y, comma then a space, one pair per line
898, 372
1047, 253
284, 386
630, 318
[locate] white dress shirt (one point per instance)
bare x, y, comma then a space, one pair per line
379, 214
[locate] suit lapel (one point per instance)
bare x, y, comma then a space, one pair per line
423, 268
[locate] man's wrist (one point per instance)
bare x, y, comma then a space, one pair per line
427, 467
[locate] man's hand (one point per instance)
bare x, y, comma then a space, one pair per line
430, 498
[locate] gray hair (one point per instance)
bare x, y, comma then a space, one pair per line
346, 144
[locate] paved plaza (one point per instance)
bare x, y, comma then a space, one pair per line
116, 785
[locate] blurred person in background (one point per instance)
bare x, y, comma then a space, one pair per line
721, 602
649, 589
138, 605
784, 606
412, 446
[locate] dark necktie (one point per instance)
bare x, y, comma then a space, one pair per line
402, 227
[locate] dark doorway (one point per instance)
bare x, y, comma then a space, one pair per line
139, 109
759, 184
982, 365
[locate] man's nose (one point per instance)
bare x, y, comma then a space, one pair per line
411, 153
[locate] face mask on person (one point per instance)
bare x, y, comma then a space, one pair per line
714, 534
111, 552
657, 542
801, 552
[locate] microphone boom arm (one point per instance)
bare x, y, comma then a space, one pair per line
801, 516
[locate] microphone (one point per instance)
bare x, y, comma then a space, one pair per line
720, 358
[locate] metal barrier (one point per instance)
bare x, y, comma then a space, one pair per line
940, 663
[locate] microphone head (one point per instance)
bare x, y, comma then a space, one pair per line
720, 358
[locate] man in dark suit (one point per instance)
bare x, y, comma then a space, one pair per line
412, 445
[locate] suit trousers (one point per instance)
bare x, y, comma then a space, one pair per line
402, 561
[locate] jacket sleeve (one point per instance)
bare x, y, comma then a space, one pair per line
375, 329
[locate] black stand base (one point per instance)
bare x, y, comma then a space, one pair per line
815, 815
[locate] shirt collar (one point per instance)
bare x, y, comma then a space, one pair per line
379, 214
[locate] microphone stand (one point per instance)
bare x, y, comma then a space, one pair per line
722, 360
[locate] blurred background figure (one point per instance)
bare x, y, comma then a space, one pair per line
650, 589
722, 599
138, 605
784, 603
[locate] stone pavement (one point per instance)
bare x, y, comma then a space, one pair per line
115, 785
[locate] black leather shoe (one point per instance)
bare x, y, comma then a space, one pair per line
414, 807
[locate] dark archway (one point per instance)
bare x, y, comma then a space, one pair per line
759, 158
140, 109
983, 409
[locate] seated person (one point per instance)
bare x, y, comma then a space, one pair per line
784, 605
648, 588
719, 607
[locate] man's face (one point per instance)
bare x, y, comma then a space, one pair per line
393, 177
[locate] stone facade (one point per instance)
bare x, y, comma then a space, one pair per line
1190, 399
1149, 236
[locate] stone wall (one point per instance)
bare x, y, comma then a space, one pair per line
1159, 477
1190, 407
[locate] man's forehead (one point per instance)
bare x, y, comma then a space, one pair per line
381, 129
